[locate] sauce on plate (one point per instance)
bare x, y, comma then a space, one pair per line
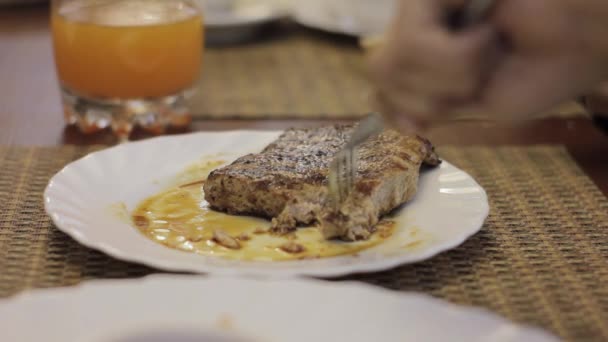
180, 218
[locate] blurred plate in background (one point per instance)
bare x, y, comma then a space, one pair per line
230, 21
358, 18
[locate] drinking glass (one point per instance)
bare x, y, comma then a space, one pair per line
123, 63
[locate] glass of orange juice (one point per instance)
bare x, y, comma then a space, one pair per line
123, 63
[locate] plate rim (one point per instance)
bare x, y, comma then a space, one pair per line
299, 15
305, 21
210, 269
435, 304
234, 21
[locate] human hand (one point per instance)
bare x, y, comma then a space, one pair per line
550, 51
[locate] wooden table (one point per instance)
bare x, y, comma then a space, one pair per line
30, 112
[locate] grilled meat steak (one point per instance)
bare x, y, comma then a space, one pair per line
287, 181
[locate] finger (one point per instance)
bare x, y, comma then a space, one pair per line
417, 12
454, 68
524, 86
410, 102
533, 25
407, 112
403, 123
465, 52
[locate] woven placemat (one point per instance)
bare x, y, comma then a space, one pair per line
296, 75
541, 257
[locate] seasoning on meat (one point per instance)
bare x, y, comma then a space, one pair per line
287, 181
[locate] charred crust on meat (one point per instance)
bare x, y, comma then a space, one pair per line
365, 186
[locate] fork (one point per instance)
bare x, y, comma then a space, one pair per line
343, 168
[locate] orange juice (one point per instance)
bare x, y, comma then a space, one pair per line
127, 49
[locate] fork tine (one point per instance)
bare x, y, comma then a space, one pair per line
336, 178
343, 168
346, 181
352, 168
344, 174
332, 180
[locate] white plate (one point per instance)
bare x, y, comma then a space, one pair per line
351, 17
232, 13
233, 21
164, 308
449, 207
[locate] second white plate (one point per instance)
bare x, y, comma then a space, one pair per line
190, 308
448, 208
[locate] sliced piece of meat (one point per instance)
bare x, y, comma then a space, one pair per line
287, 181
